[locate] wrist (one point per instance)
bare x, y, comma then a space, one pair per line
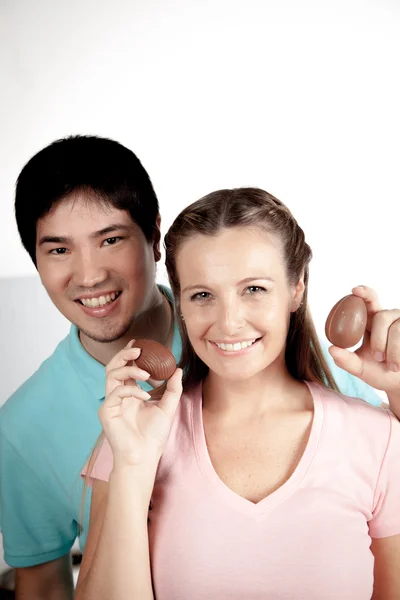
137, 481
394, 400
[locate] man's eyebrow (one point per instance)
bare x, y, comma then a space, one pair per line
111, 229
53, 239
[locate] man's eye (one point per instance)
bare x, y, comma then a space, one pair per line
200, 296
111, 241
58, 251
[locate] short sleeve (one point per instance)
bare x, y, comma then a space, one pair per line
35, 528
385, 521
102, 466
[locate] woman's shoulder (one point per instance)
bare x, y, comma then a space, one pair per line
355, 413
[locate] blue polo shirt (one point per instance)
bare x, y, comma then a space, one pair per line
47, 432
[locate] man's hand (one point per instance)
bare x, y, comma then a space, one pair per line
377, 360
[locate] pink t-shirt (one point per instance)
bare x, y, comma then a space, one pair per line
308, 540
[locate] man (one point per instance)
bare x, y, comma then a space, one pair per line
89, 218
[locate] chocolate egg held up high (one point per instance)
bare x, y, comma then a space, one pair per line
156, 359
346, 323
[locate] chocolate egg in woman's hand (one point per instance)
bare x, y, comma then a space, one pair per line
156, 359
346, 323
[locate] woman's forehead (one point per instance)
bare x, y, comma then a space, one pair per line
231, 253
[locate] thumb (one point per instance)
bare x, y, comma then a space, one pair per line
349, 361
170, 399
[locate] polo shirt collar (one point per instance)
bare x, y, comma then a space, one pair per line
88, 369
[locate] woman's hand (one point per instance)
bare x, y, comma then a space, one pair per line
377, 360
136, 428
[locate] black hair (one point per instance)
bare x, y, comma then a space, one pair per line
103, 167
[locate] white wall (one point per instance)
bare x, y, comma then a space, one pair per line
301, 98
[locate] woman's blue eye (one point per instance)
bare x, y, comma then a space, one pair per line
255, 289
200, 296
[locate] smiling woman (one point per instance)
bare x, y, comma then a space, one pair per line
262, 480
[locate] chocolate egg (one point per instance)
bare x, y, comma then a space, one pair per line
156, 359
346, 323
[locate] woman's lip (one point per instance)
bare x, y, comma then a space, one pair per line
100, 312
255, 337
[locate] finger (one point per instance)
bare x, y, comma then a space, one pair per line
128, 372
124, 391
381, 324
393, 345
371, 300
170, 399
122, 357
349, 361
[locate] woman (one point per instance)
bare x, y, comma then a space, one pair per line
262, 480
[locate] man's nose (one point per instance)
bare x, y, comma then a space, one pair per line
88, 270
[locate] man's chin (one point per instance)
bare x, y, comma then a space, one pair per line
105, 336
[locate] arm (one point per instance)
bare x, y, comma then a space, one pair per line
49, 581
386, 552
116, 561
394, 402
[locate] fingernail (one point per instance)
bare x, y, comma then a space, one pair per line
144, 374
130, 344
134, 354
393, 367
379, 356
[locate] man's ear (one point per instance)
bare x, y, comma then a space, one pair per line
157, 239
298, 292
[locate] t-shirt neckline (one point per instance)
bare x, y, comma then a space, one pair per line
230, 497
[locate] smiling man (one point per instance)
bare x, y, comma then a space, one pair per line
89, 218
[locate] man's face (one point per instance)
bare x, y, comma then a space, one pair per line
96, 265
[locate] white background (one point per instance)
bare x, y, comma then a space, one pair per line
300, 98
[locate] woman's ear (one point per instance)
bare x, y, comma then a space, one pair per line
298, 292
157, 239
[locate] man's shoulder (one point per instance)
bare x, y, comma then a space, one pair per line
349, 384
39, 388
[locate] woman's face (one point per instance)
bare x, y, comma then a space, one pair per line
236, 300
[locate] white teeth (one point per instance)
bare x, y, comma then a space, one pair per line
100, 301
235, 347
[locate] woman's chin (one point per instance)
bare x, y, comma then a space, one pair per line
236, 376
